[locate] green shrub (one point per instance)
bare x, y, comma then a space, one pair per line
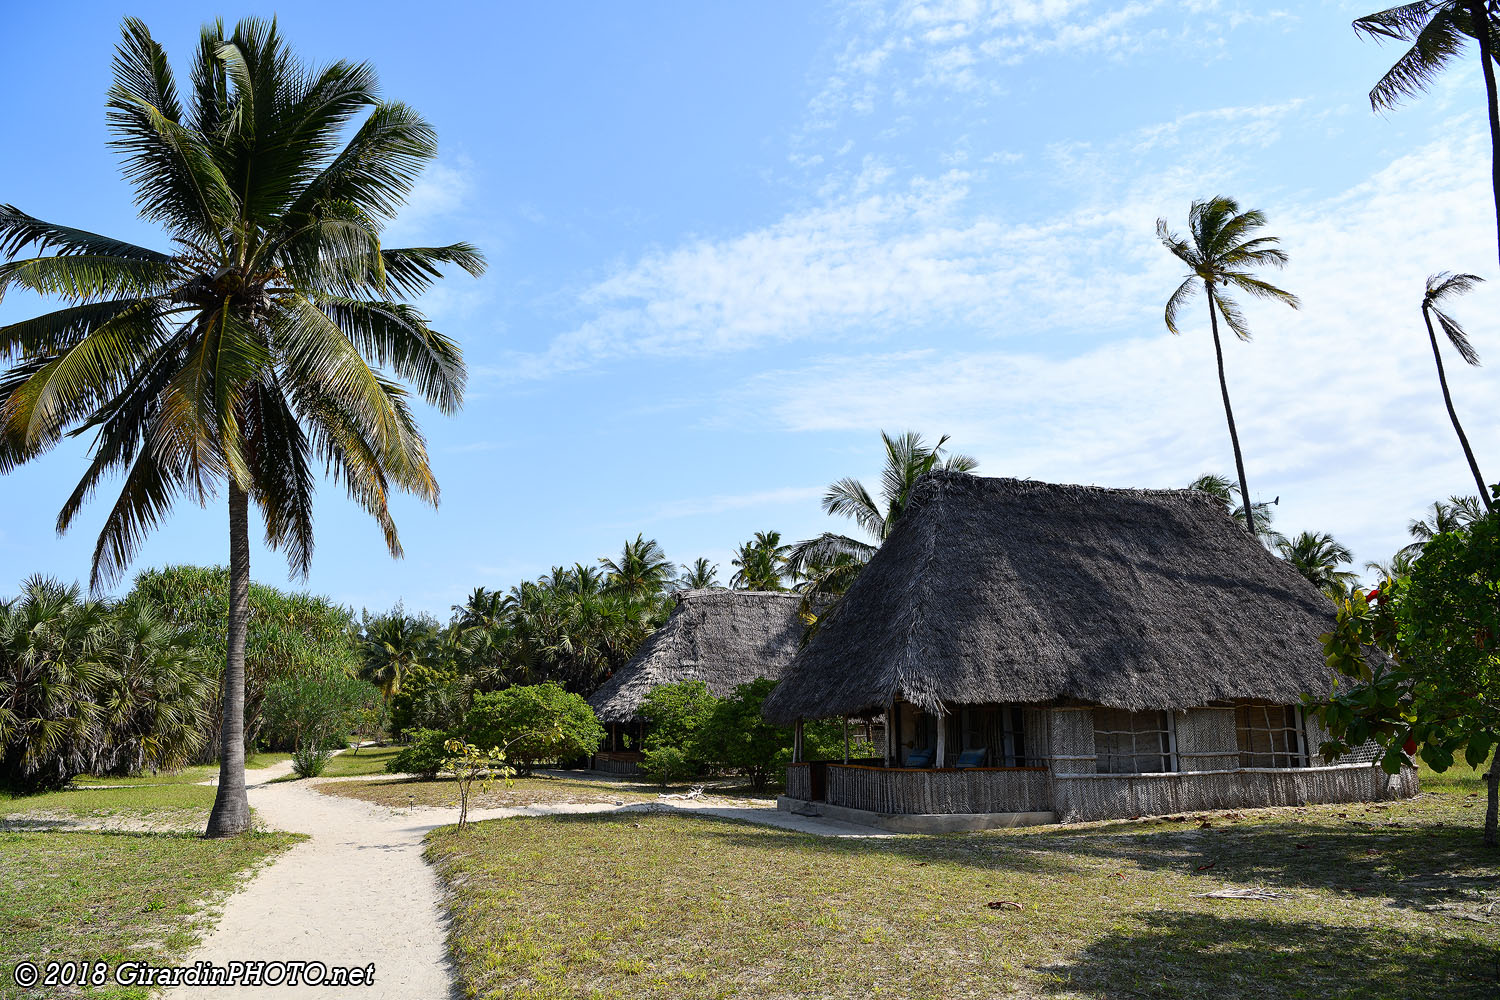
665, 765
423, 756
310, 759
674, 714
431, 698
313, 714
539, 722
735, 735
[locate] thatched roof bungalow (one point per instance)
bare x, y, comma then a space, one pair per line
724, 638
1066, 651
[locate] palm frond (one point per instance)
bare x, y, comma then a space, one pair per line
278, 453
412, 270
17, 229
825, 549
1457, 337
397, 337
54, 332
378, 167
1179, 247
1233, 317
1435, 44
1178, 300
145, 500
86, 278
1262, 289
849, 498
1402, 22
1445, 284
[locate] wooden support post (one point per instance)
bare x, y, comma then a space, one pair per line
890, 719
942, 738
846, 739
797, 743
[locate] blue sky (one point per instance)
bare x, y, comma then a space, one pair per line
730, 243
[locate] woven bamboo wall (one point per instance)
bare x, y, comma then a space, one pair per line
1070, 740
799, 781
1206, 740
1115, 796
928, 791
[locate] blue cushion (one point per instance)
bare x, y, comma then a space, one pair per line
972, 758
919, 758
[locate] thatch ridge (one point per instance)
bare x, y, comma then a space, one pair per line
724, 638
1006, 590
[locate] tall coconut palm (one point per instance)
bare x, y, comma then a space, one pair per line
252, 349
1220, 251
701, 575
391, 646
760, 563
1453, 514
1318, 557
642, 570
825, 566
1438, 30
1440, 287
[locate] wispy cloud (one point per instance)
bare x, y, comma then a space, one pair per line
724, 502
882, 256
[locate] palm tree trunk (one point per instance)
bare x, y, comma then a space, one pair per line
1234, 435
231, 812
1479, 10
1437, 355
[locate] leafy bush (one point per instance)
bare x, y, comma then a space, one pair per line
539, 722
431, 698
674, 714
313, 716
423, 756
665, 765
736, 736
310, 759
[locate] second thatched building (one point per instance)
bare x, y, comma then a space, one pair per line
723, 638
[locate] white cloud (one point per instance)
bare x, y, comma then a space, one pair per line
439, 193
725, 502
881, 257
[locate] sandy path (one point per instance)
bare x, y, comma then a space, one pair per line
358, 892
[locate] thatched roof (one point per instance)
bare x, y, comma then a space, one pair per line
1002, 590
724, 638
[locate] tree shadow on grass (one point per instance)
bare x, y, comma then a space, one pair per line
1418, 866
1431, 867
1183, 955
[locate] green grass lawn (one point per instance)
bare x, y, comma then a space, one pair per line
1394, 900
187, 776
369, 760
153, 807
1459, 778
114, 896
